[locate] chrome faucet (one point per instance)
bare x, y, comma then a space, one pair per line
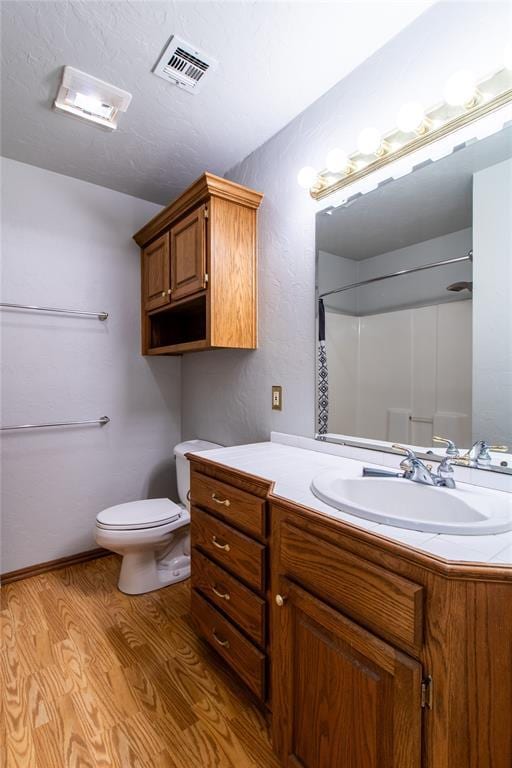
415, 470
479, 456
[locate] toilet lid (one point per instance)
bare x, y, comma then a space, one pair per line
139, 514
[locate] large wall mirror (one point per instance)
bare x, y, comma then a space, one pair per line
416, 283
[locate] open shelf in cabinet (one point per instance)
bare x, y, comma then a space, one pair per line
178, 329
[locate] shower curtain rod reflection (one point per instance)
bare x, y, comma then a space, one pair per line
467, 257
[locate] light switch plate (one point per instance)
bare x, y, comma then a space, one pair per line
277, 398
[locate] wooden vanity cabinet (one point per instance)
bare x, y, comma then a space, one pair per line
345, 697
383, 657
230, 562
199, 276
365, 652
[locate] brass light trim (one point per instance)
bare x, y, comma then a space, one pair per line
324, 187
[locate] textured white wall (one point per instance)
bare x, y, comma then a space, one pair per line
226, 395
67, 243
492, 318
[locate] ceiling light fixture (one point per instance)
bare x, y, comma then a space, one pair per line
88, 98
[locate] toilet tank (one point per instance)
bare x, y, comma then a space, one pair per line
183, 467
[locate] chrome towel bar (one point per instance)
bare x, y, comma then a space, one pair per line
99, 315
102, 421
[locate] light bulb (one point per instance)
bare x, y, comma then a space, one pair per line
369, 141
337, 160
411, 117
460, 89
507, 57
307, 176
88, 103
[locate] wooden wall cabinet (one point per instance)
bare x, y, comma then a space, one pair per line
156, 284
188, 249
199, 270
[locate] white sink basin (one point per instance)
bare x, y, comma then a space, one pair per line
468, 509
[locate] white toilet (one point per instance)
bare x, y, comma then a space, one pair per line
153, 535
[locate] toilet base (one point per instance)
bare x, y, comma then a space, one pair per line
141, 572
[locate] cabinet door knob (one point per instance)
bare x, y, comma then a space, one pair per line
280, 600
169, 291
219, 545
164, 293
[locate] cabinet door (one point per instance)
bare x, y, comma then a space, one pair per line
156, 278
188, 254
342, 698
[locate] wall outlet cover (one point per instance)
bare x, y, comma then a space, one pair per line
277, 398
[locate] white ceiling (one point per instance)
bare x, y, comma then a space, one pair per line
275, 58
434, 200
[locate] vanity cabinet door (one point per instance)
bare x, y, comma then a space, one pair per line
156, 274
188, 254
341, 696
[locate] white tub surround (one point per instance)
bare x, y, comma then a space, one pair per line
291, 462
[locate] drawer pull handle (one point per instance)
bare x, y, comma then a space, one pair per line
219, 545
223, 595
224, 643
224, 502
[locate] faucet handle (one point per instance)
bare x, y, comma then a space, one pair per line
445, 467
451, 448
410, 459
498, 448
403, 449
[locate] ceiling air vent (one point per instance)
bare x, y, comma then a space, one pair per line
184, 65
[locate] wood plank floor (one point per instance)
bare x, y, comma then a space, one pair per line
92, 678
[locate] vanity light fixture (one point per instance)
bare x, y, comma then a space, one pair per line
461, 90
411, 118
338, 161
370, 142
307, 176
427, 133
88, 98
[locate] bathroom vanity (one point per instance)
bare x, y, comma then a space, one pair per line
367, 647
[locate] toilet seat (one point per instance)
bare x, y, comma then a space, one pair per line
139, 515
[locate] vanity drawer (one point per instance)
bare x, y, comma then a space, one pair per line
375, 597
235, 551
238, 507
247, 661
241, 605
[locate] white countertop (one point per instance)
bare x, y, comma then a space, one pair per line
292, 469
